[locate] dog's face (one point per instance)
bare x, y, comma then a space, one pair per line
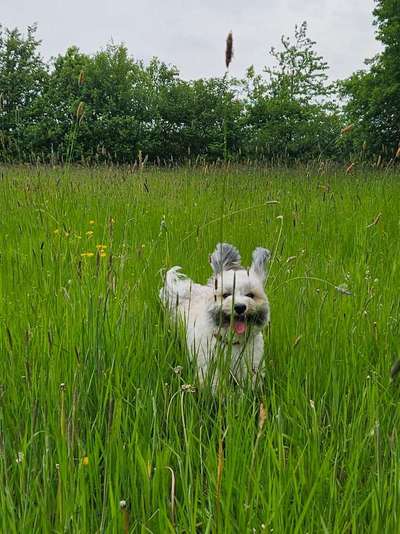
240, 303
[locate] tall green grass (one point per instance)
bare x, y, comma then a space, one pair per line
92, 408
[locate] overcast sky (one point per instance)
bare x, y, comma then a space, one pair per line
191, 33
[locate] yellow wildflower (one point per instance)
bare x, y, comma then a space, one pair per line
56, 231
87, 254
101, 247
92, 222
89, 233
85, 460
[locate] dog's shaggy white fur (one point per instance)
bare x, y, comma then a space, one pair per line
225, 318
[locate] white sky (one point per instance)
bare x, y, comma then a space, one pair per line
191, 34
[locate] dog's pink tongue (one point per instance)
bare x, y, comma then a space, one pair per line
239, 327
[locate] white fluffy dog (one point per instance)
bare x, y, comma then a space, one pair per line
223, 319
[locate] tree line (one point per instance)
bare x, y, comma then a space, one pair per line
109, 107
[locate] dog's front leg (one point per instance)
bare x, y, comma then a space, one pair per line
208, 375
257, 354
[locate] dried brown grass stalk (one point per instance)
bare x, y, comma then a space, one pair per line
347, 129
220, 469
375, 221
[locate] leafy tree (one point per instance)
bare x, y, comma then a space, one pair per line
23, 77
289, 113
374, 94
111, 89
110, 107
300, 73
59, 102
116, 104
192, 119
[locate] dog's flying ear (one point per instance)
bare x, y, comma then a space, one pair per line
260, 257
225, 258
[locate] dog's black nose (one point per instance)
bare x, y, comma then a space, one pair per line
240, 308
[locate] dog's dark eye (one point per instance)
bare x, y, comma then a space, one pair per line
226, 295
250, 295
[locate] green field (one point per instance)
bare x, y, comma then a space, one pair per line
92, 409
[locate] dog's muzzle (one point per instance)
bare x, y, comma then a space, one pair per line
224, 320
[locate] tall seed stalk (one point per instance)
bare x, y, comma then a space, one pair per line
228, 59
79, 114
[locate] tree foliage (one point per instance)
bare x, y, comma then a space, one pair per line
374, 94
289, 115
111, 107
23, 79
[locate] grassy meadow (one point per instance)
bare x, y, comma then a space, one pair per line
95, 403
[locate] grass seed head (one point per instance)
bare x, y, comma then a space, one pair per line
80, 110
262, 416
229, 50
347, 129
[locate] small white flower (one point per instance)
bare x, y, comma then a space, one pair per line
20, 457
342, 288
188, 388
163, 224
